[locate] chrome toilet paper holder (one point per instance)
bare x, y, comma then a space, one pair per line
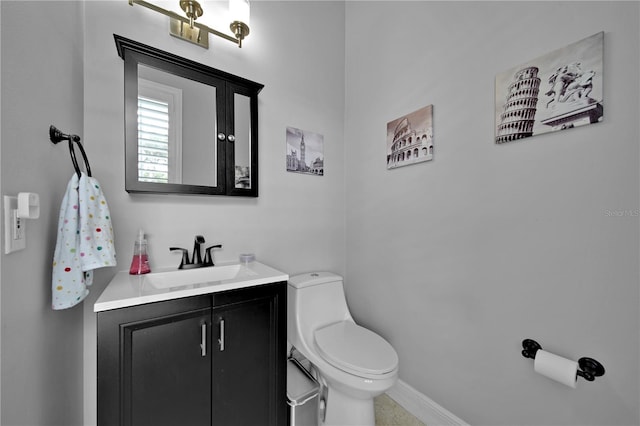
589, 367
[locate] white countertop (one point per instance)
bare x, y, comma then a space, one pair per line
130, 290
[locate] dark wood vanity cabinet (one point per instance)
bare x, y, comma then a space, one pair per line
216, 359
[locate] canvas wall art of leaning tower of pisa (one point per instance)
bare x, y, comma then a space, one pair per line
557, 91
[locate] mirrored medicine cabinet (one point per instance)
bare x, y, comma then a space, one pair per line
189, 128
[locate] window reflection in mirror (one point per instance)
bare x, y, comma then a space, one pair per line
159, 132
176, 129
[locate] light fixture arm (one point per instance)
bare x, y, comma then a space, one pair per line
192, 14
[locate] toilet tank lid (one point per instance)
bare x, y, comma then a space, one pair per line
313, 278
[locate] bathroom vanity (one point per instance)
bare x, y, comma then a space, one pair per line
202, 353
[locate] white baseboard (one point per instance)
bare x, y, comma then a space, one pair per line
422, 407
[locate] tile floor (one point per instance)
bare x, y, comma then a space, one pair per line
390, 413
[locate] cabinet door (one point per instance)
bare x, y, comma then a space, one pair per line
242, 140
167, 370
152, 369
249, 358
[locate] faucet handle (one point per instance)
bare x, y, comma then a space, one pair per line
185, 256
208, 258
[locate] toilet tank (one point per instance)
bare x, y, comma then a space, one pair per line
314, 300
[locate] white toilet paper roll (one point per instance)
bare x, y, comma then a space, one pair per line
555, 367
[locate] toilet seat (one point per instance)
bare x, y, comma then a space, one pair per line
355, 349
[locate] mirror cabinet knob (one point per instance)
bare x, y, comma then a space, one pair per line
221, 136
231, 138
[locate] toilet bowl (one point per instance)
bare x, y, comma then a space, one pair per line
353, 363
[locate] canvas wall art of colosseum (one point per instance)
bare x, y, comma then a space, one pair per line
410, 138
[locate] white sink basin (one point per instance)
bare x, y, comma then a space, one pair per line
184, 277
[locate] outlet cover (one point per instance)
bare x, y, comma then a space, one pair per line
14, 232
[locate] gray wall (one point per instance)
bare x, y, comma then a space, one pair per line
42, 72
456, 261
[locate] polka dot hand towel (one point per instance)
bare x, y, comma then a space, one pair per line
84, 243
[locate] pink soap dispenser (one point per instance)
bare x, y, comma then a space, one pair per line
140, 260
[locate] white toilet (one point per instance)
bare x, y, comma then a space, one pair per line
355, 364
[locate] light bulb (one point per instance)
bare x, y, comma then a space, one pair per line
240, 11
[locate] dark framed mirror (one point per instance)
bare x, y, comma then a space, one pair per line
189, 128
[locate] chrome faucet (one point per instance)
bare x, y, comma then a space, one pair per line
196, 258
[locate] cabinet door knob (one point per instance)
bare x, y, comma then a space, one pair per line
231, 138
221, 136
221, 339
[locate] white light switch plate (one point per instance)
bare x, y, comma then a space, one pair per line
14, 232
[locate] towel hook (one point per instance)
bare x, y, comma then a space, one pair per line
57, 136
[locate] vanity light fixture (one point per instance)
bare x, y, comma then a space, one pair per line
188, 29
